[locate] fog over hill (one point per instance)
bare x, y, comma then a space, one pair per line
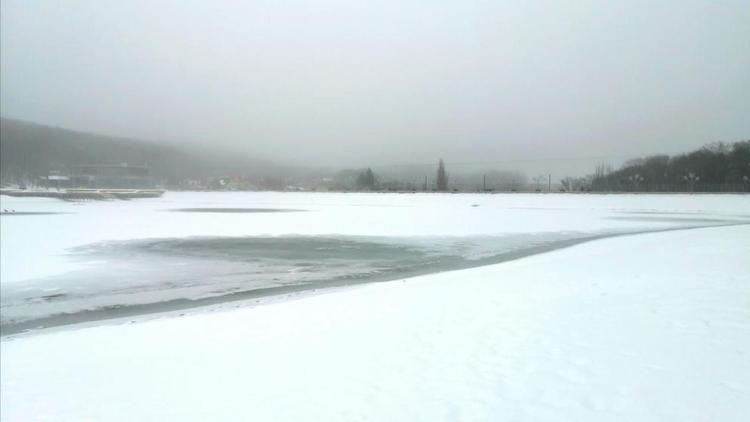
29, 150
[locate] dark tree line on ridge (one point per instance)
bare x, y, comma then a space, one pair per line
718, 167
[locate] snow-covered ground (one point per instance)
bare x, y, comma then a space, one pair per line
649, 327
60, 257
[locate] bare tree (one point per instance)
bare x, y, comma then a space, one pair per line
539, 180
366, 180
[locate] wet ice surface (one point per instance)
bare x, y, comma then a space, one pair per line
106, 259
233, 210
122, 273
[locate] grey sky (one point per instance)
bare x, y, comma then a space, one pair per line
374, 82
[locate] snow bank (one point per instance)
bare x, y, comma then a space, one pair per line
648, 327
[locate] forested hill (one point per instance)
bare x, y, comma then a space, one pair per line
29, 150
718, 167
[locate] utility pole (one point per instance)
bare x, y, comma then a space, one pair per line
484, 183
549, 182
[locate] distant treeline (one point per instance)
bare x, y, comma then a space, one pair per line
717, 167
419, 178
29, 152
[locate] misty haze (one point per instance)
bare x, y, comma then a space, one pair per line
346, 210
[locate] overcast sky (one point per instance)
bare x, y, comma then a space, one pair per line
390, 81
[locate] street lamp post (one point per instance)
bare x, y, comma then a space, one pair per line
692, 179
636, 180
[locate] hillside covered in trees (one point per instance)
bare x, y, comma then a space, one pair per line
718, 167
29, 150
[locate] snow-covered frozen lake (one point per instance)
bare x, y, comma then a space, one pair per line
578, 308
68, 262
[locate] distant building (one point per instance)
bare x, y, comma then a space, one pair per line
192, 184
55, 179
111, 176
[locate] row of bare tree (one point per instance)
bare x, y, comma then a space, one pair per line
717, 167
